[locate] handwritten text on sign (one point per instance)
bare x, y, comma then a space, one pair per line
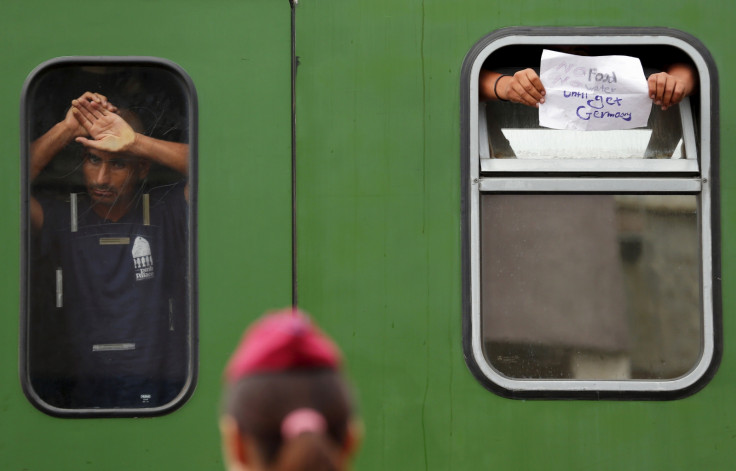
593, 93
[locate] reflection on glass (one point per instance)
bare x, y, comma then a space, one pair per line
109, 321
514, 132
591, 286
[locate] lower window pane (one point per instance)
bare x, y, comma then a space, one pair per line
591, 286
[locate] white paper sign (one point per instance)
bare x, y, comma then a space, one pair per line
593, 93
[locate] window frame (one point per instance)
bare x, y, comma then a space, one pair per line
636, 176
192, 215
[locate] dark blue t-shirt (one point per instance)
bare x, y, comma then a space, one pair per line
121, 307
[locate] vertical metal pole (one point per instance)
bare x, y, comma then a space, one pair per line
59, 288
294, 281
74, 213
146, 209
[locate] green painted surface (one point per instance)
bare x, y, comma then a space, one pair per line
379, 235
379, 228
238, 56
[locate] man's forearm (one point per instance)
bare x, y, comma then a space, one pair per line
685, 74
47, 146
174, 155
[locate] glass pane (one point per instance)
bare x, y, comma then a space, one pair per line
591, 286
109, 321
514, 132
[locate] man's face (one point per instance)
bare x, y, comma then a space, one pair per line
111, 179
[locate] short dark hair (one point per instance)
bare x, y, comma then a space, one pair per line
259, 403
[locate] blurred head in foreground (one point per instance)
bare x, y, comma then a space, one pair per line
287, 405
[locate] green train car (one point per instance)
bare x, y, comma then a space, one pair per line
507, 296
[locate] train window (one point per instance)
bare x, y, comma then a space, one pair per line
108, 320
591, 257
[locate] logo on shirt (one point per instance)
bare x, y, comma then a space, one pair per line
142, 260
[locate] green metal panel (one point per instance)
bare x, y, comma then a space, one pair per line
378, 226
379, 242
238, 55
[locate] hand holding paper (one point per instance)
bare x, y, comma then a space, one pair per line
670, 87
593, 93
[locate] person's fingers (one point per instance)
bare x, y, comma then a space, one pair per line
99, 98
526, 88
665, 90
537, 83
669, 90
106, 105
98, 108
102, 100
528, 91
83, 116
92, 109
679, 93
89, 96
91, 143
659, 84
518, 94
652, 83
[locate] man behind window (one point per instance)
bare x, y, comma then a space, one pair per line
113, 335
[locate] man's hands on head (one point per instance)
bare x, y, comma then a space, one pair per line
108, 131
73, 124
46, 147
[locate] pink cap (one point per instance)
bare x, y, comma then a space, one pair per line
283, 340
